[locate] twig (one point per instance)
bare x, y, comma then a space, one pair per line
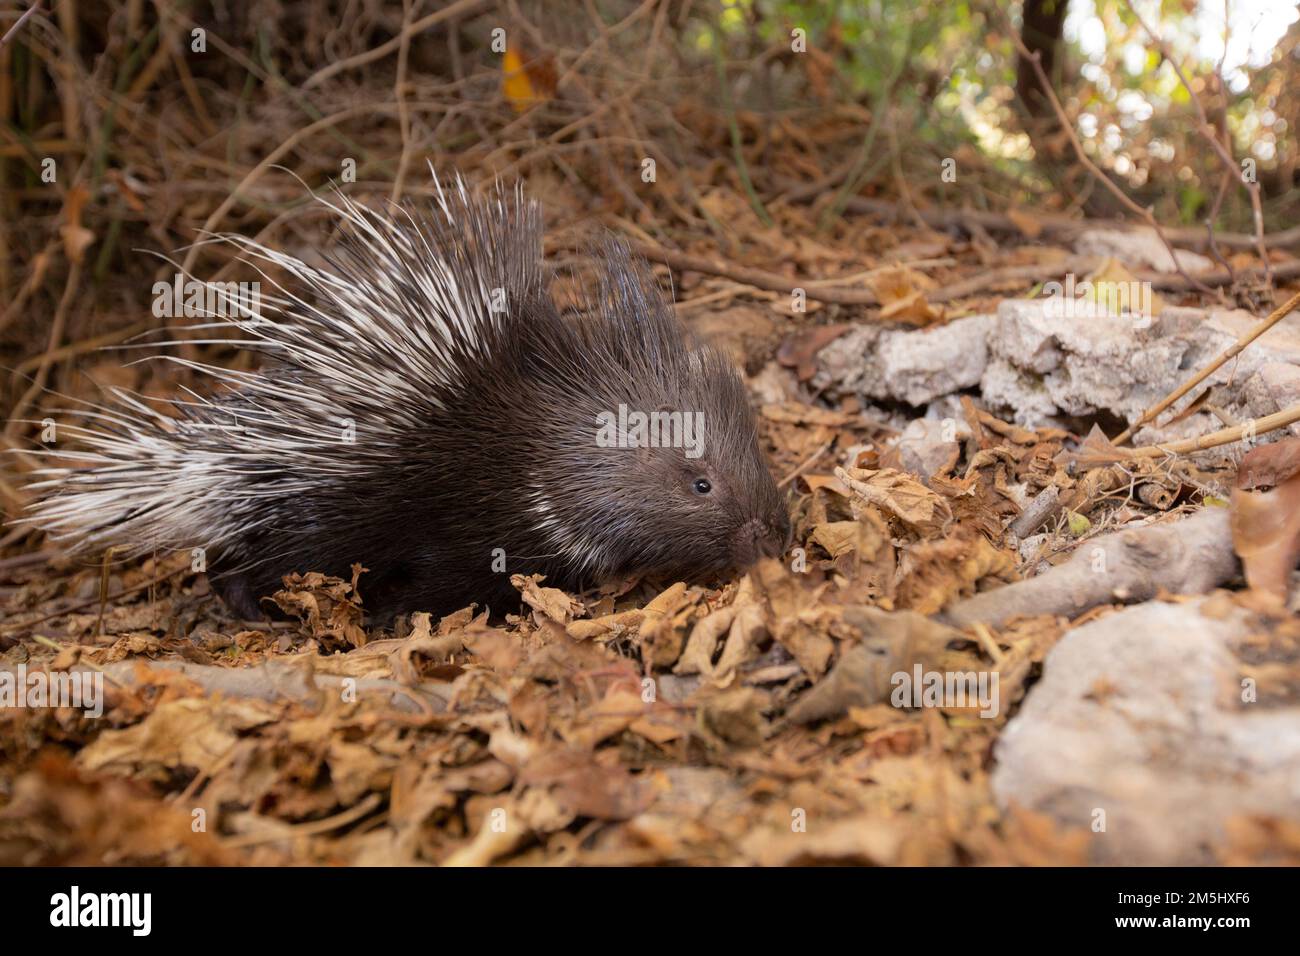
1206, 129
73, 349
860, 173
20, 21
737, 142
47, 360
758, 278
830, 290
311, 828
403, 112
40, 262
1233, 350
1284, 270
1224, 436
1054, 223
73, 609
1146, 214
457, 9
990, 278
267, 162
1190, 556
1037, 512
804, 465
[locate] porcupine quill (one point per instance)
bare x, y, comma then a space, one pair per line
429, 335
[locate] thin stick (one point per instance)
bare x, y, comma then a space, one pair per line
1235, 349
15, 626
737, 141
47, 361
73, 349
381, 51
1206, 129
804, 465
1066, 125
838, 291
40, 262
403, 113
1224, 436
310, 828
1057, 224
267, 162
20, 21
758, 278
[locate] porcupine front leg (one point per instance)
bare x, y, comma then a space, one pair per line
239, 594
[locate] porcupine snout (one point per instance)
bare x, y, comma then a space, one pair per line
761, 538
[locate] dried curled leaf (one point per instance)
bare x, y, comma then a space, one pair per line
901, 495
329, 607
550, 603
902, 296
1266, 535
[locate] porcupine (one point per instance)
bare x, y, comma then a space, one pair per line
430, 332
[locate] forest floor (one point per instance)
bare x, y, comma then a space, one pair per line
745, 721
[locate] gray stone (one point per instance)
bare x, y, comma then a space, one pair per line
1139, 249
914, 366
1274, 386
1037, 364
1044, 364
1139, 715
927, 445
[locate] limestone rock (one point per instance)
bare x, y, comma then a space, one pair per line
914, 366
1139, 249
1140, 715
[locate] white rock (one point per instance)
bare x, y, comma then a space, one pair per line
1274, 386
1037, 365
1139, 249
1043, 363
914, 366
1139, 715
927, 444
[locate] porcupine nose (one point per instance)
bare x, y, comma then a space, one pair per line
759, 538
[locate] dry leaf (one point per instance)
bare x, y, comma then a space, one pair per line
899, 494
902, 296
1266, 535
76, 237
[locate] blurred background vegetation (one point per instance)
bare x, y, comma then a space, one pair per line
130, 125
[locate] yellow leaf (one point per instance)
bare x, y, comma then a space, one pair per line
515, 84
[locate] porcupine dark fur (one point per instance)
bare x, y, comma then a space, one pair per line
475, 429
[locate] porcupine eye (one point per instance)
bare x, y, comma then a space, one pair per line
702, 486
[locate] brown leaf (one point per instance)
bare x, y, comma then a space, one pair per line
1266, 535
583, 786
899, 494
936, 572
549, 602
329, 607
663, 629
192, 732
1269, 465
793, 617
887, 643
76, 237
799, 350
902, 296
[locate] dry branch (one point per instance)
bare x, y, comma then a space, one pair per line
1207, 130
292, 680
1235, 349
1054, 223
1145, 214
1190, 556
1224, 436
